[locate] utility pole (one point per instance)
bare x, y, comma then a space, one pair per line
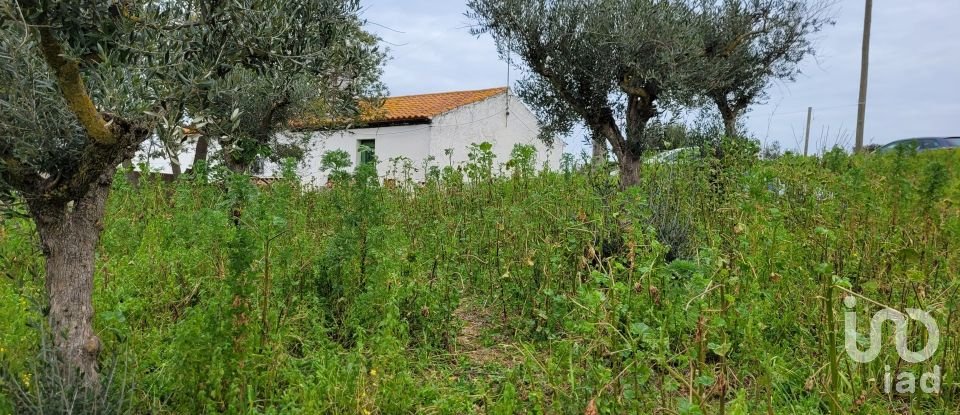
806, 136
864, 63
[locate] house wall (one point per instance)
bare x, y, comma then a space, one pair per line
488, 121
478, 122
482, 121
411, 141
159, 163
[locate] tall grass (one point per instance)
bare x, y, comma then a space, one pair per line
494, 289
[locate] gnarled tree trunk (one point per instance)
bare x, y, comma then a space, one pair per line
730, 125
729, 113
629, 169
69, 233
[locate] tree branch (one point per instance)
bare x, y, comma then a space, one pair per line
739, 40
600, 120
632, 90
608, 129
268, 119
73, 89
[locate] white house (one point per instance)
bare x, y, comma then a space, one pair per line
439, 125
436, 129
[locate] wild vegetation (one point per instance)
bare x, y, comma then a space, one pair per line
718, 283
519, 292
84, 83
623, 68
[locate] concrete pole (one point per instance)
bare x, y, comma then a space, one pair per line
806, 136
864, 64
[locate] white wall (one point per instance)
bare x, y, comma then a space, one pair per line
160, 163
478, 122
482, 121
411, 141
488, 121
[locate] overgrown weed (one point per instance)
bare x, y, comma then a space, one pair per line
711, 287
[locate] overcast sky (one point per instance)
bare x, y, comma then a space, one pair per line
914, 69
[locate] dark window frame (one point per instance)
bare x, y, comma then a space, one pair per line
366, 151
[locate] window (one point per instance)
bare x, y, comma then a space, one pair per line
929, 144
896, 144
954, 141
366, 151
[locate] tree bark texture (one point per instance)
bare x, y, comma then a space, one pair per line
730, 125
69, 234
729, 112
629, 169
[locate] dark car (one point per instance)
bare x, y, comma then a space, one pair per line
922, 144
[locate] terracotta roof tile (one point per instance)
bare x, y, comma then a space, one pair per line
425, 107
416, 108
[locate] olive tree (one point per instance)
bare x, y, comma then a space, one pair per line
613, 65
748, 44
84, 82
329, 77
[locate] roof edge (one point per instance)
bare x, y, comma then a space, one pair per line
406, 119
500, 89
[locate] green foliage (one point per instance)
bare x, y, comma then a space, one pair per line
749, 44
38, 388
155, 66
523, 160
337, 163
645, 47
622, 67
536, 293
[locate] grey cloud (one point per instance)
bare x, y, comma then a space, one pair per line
914, 68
